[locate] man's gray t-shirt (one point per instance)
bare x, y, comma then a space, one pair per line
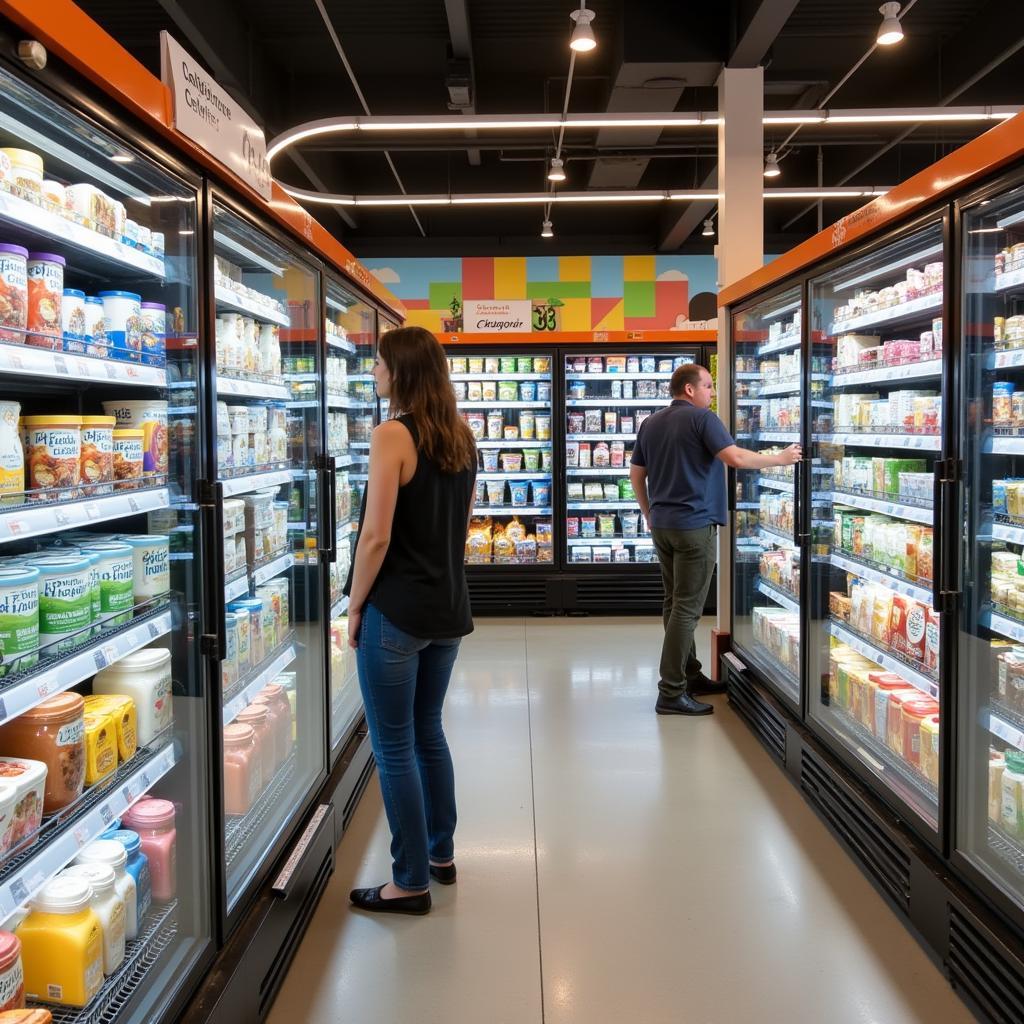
685, 481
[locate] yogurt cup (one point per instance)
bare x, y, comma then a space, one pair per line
123, 314
19, 618
150, 565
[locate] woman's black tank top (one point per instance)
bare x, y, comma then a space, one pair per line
421, 587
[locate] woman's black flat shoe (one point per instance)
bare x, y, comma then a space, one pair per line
370, 899
445, 875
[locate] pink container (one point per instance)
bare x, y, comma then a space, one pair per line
258, 716
153, 820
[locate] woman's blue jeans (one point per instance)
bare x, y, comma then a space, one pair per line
403, 680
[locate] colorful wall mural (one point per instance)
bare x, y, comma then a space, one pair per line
567, 293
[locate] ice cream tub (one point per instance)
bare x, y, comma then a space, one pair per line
507, 391
541, 493
495, 492
511, 462
26, 173
630, 523
474, 391
520, 493
19, 618
154, 333
508, 364
577, 389
543, 427
150, 565
53, 454
588, 527
572, 453
123, 314
528, 391
13, 293
543, 391
527, 425
495, 423
511, 433
127, 457
45, 272
65, 601
95, 327
531, 460
150, 416
72, 320
116, 566
490, 457
97, 465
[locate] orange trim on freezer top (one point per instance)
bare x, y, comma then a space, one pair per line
68, 32
581, 338
972, 161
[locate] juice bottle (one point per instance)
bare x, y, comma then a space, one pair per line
153, 820
109, 908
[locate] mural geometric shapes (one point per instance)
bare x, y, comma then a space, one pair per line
607, 314
640, 297
574, 268
509, 278
428, 319
442, 293
543, 290
671, 298
704, 306
638, 268
575, 314
477, 278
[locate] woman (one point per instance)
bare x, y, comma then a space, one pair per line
409, 609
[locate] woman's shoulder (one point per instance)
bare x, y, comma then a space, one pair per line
396, 433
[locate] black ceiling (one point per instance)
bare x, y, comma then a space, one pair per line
277, 57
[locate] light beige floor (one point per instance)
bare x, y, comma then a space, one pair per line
613, 866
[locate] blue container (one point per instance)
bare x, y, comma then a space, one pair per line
123, 314
137, 867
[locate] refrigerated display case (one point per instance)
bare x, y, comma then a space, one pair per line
351, 414
270, 482
607, 396
103, 698
506, 397
990, 751
768, 554
875, 630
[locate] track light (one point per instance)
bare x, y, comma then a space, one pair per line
771, 166
709, 229
582, 39
890, 31
557, 173
546, 230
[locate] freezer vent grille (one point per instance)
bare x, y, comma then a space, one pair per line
275, 976
884, 859
620, 595
983, 968
759, 714
503, 596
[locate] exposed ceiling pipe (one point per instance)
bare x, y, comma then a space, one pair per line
362, 100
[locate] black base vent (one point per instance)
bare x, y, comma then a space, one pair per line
766, 722
880, 855
625, 594
983, 968
508, 596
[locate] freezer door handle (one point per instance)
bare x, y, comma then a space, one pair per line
211, 503
326, 540
332, 502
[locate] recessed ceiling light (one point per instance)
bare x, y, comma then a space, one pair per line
709, 229
582, 40
771, 166
557, 173
546, 230
890, 31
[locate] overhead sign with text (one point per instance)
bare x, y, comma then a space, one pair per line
211, 118
494, 317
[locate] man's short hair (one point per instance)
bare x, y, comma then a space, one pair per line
688, 373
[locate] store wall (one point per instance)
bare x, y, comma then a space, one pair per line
582, 293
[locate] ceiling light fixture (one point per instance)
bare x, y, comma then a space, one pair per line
546, 230
582, 39
709, 229
557, 173
771, 166
122, 158
890, 31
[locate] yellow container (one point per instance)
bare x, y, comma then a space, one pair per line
929, 756
100, 746
122, 710
62, 944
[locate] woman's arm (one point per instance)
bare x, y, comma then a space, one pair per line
390, 446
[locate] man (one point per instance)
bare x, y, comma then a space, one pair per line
680, 486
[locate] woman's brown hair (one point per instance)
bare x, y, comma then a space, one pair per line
421, 387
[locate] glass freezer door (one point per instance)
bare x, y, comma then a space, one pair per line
874, 654
990, 751
269, 431
607, 397
766, 560
351, 404
103, 704
506, 399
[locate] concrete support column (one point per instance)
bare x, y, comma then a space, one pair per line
740, 248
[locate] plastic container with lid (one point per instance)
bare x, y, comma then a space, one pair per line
145, 676
243, 770
14, 288
149, 416
29, 778
258, 717
914, 712
97, 466
108, 906
9, 794
154, 333
12, 453
123, 313
72, 319
113, 854
929, 740
95, 326
62, 944
894, 717
53, 455
100, 746
12, 973
65, 601
153, 820
273, 694
26, 170
138, 867
151, 562
53, 733
253, 607
229, 666
115, 566
19, 618
241, 620
127, 457
1011, 811
122, 713
885, 685
45, 298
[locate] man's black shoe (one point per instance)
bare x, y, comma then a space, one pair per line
684, 704
704, 685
